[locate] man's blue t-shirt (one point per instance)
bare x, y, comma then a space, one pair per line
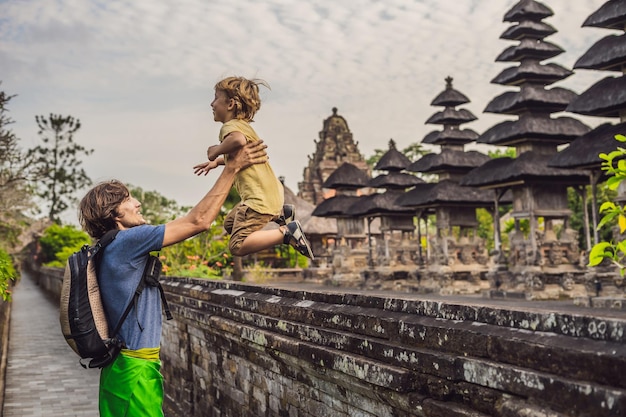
120, 271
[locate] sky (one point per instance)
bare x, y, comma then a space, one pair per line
139, 74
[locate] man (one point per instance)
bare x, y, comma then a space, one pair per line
132, 385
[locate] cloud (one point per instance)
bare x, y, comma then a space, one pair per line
139, 73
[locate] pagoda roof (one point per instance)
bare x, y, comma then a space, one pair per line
446, 192
533, 98
392, 160
449, 135
527, 10
530, 167
583, 153
528, 29
395, 180
379, 204
532, 71
559, 131
604, 99
449, 97
449, 160
451, 116
320, 226
608, 54
347, 176
529, 48
611, 15
336, 206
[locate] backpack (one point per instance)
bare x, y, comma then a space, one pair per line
82, 315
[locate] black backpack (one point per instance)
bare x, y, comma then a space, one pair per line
82, 315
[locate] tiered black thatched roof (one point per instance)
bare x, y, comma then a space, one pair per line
533, 103
379, 204
449, 160
604, 99
608, 54
446, 193
541, 130
528, 167
532, 71
383, 204
611, 15
336, 206
392, 160
607, 97
347, 176
451, 118
395, 180
584, 152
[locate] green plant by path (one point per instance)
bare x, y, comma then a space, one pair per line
615, 166
59, 242
7, 274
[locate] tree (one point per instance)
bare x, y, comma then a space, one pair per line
15, 191
155, 208
58, 163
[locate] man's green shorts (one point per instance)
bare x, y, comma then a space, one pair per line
131, 387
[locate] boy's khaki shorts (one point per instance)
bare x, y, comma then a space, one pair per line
241, 222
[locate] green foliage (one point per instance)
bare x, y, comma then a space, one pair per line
15, 190
524, 226
203, 256
7, 274
156, 208
577, 219
615, 166
59, 242
502, 153
485, 226
58, 163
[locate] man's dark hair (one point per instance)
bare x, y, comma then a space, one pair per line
98, 208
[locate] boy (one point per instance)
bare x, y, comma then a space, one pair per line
262, 196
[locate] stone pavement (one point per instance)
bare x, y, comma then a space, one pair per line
44, 378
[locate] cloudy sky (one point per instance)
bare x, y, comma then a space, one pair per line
139, 74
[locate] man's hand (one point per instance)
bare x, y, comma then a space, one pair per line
250, 154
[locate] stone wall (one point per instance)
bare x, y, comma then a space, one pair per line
253, 350
247, 350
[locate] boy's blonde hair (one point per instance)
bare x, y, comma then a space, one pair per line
245, 93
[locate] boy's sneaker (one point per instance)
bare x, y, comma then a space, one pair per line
287, 216
295, 237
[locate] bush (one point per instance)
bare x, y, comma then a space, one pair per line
59, 242
615, 165
7, 273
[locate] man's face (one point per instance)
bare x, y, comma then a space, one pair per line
129, 214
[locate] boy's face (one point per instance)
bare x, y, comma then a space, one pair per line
222, 107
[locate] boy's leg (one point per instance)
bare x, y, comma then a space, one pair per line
295, 237
247, 236
287, 216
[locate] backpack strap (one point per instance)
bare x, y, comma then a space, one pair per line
148, 271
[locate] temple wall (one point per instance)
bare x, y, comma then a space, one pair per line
254, 350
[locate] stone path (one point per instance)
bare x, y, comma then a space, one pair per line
44, 378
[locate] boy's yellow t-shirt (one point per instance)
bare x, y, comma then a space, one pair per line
258, 186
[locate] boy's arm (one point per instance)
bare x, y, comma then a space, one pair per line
232, 142
202, 215
207, 166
